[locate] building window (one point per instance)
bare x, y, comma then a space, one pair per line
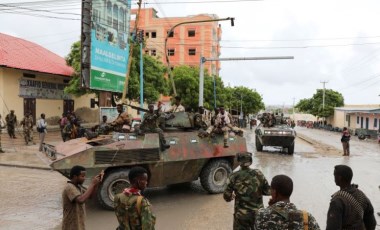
171, 34
147, 34
191, 33
375, 123
28, 75
153, 52
171, 52
109, 13
357, 120
192, 52
147, 52
154, 34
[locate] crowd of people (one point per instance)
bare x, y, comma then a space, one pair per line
270, 120
349, 207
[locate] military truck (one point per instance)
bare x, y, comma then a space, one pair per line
189, 157
277, 135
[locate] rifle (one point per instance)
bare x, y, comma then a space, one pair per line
138, 108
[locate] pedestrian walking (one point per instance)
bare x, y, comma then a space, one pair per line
247, 186
27, 126
282, 214
133, 211
2, 126
62, 123
74, 197
41, 129
346, 141
349, 207
11, 120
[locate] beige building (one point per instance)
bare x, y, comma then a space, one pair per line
356, 117
32, 79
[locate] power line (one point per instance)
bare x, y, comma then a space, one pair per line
299, 47
207, 2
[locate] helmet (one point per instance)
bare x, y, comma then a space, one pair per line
244, 158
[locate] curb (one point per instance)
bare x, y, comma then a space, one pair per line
305, 139
26, 166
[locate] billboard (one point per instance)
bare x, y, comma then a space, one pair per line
107, 55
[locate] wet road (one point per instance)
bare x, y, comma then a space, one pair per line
189, 207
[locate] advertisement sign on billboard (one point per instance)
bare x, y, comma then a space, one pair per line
109, 44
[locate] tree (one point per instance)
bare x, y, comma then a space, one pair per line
244, 98
154, 71
314, 105
186, 79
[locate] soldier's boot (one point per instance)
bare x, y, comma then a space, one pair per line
226, 143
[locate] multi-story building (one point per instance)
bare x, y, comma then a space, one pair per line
187, 44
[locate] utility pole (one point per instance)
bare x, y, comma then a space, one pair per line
324, 89
140, 40
294, 99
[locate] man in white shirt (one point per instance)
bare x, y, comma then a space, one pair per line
41, 129
177, 107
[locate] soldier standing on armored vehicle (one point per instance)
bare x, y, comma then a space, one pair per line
150, 125
11, 120
121, 120
177, 107
27, 125
200, 119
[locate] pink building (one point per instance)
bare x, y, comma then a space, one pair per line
187, 44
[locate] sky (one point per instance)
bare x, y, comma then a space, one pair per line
333, 41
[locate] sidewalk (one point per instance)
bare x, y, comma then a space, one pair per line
18, 154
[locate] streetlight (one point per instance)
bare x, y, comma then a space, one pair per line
171, 31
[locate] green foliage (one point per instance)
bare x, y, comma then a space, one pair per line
187, 84
242, 97
314, 105
154, 81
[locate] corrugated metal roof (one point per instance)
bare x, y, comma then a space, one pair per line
18, 53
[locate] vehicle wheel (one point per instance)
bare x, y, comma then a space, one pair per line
291, 149
113, 183
259, 146
214, 175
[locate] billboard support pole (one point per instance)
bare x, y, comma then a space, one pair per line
131, 47
141, 75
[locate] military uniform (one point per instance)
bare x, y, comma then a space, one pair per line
133, 214
120, 121
150, 125
27, 125
249, 186
11, 120
1, 127
176, 108
200, 121
283, 215
350, 209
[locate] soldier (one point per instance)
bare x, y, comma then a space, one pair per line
121, 120
41, 128
27, 126
133, 211
11, 120
247, 186
282, 214
2, 125
213, 118
177, 107
200, 119
150, 125
349, 207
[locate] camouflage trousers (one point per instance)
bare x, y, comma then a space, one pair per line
28, 135
11, 131
244, 221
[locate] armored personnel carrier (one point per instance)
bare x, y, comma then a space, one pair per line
189, 158
278, 134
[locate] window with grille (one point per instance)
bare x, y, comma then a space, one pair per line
171, 52
192, 52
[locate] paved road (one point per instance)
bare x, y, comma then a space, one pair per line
27, 195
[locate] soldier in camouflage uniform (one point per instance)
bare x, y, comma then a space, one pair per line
11, 120
27, 125
200, 119
133, 211
121, 120
150, 125
349, 207
247, 186
282, 214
